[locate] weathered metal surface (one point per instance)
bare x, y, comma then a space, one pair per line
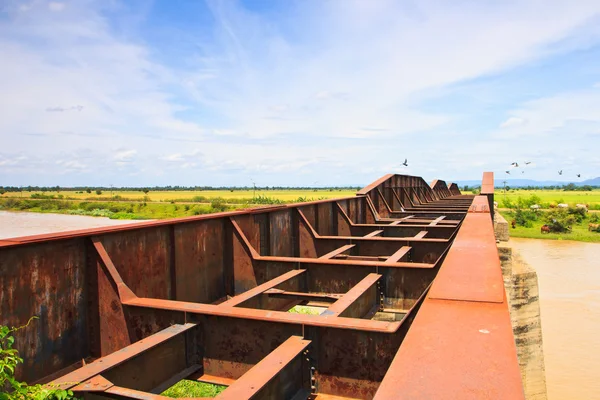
278, 375
236, 274
200, 261
46, 280
358, 301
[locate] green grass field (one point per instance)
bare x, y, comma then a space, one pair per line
188, 195
552, 196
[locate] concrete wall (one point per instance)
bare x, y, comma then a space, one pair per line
521, 284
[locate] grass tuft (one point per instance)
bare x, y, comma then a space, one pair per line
189, 388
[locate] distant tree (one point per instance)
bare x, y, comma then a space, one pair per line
145, 190
466, 188
88, 190
2, 191
98, 192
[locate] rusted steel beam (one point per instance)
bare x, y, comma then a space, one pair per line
278, 375
215, 380
318, 262
266, 315
437, 220
403, 251
126, 393
244, 297
117, 358
374, 233
359, 300
321, 297
124, 292
421, 235
337, 251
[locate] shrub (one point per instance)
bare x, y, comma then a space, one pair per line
218, 204
579, 213
508, 203
9, 359
595, 218
525, 217
560, 220
98, 192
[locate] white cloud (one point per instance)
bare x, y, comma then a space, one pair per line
56, 6
513, 122
279, 98
124, 156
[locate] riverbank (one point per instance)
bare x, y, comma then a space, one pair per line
579, 232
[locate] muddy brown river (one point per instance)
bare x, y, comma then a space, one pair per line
569, 284
569, 280
14, 224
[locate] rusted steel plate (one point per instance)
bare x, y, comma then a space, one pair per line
471, 270
200, 261
46, 280
358, 301
456, 350
261, 380
234, 345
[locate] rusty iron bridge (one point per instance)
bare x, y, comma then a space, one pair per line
407, 276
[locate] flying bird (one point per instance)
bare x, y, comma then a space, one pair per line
527, 162
560, 172
508, 172
405, 163
522, 172
579, 175
515, 164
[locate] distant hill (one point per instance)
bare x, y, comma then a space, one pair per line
530, 182
591, 182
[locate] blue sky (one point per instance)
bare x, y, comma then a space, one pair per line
296, 92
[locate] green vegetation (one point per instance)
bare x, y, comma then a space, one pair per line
231, 195
113, 210
548, 198
149, 205
569, 224
306, 310
189, 388
9, 359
